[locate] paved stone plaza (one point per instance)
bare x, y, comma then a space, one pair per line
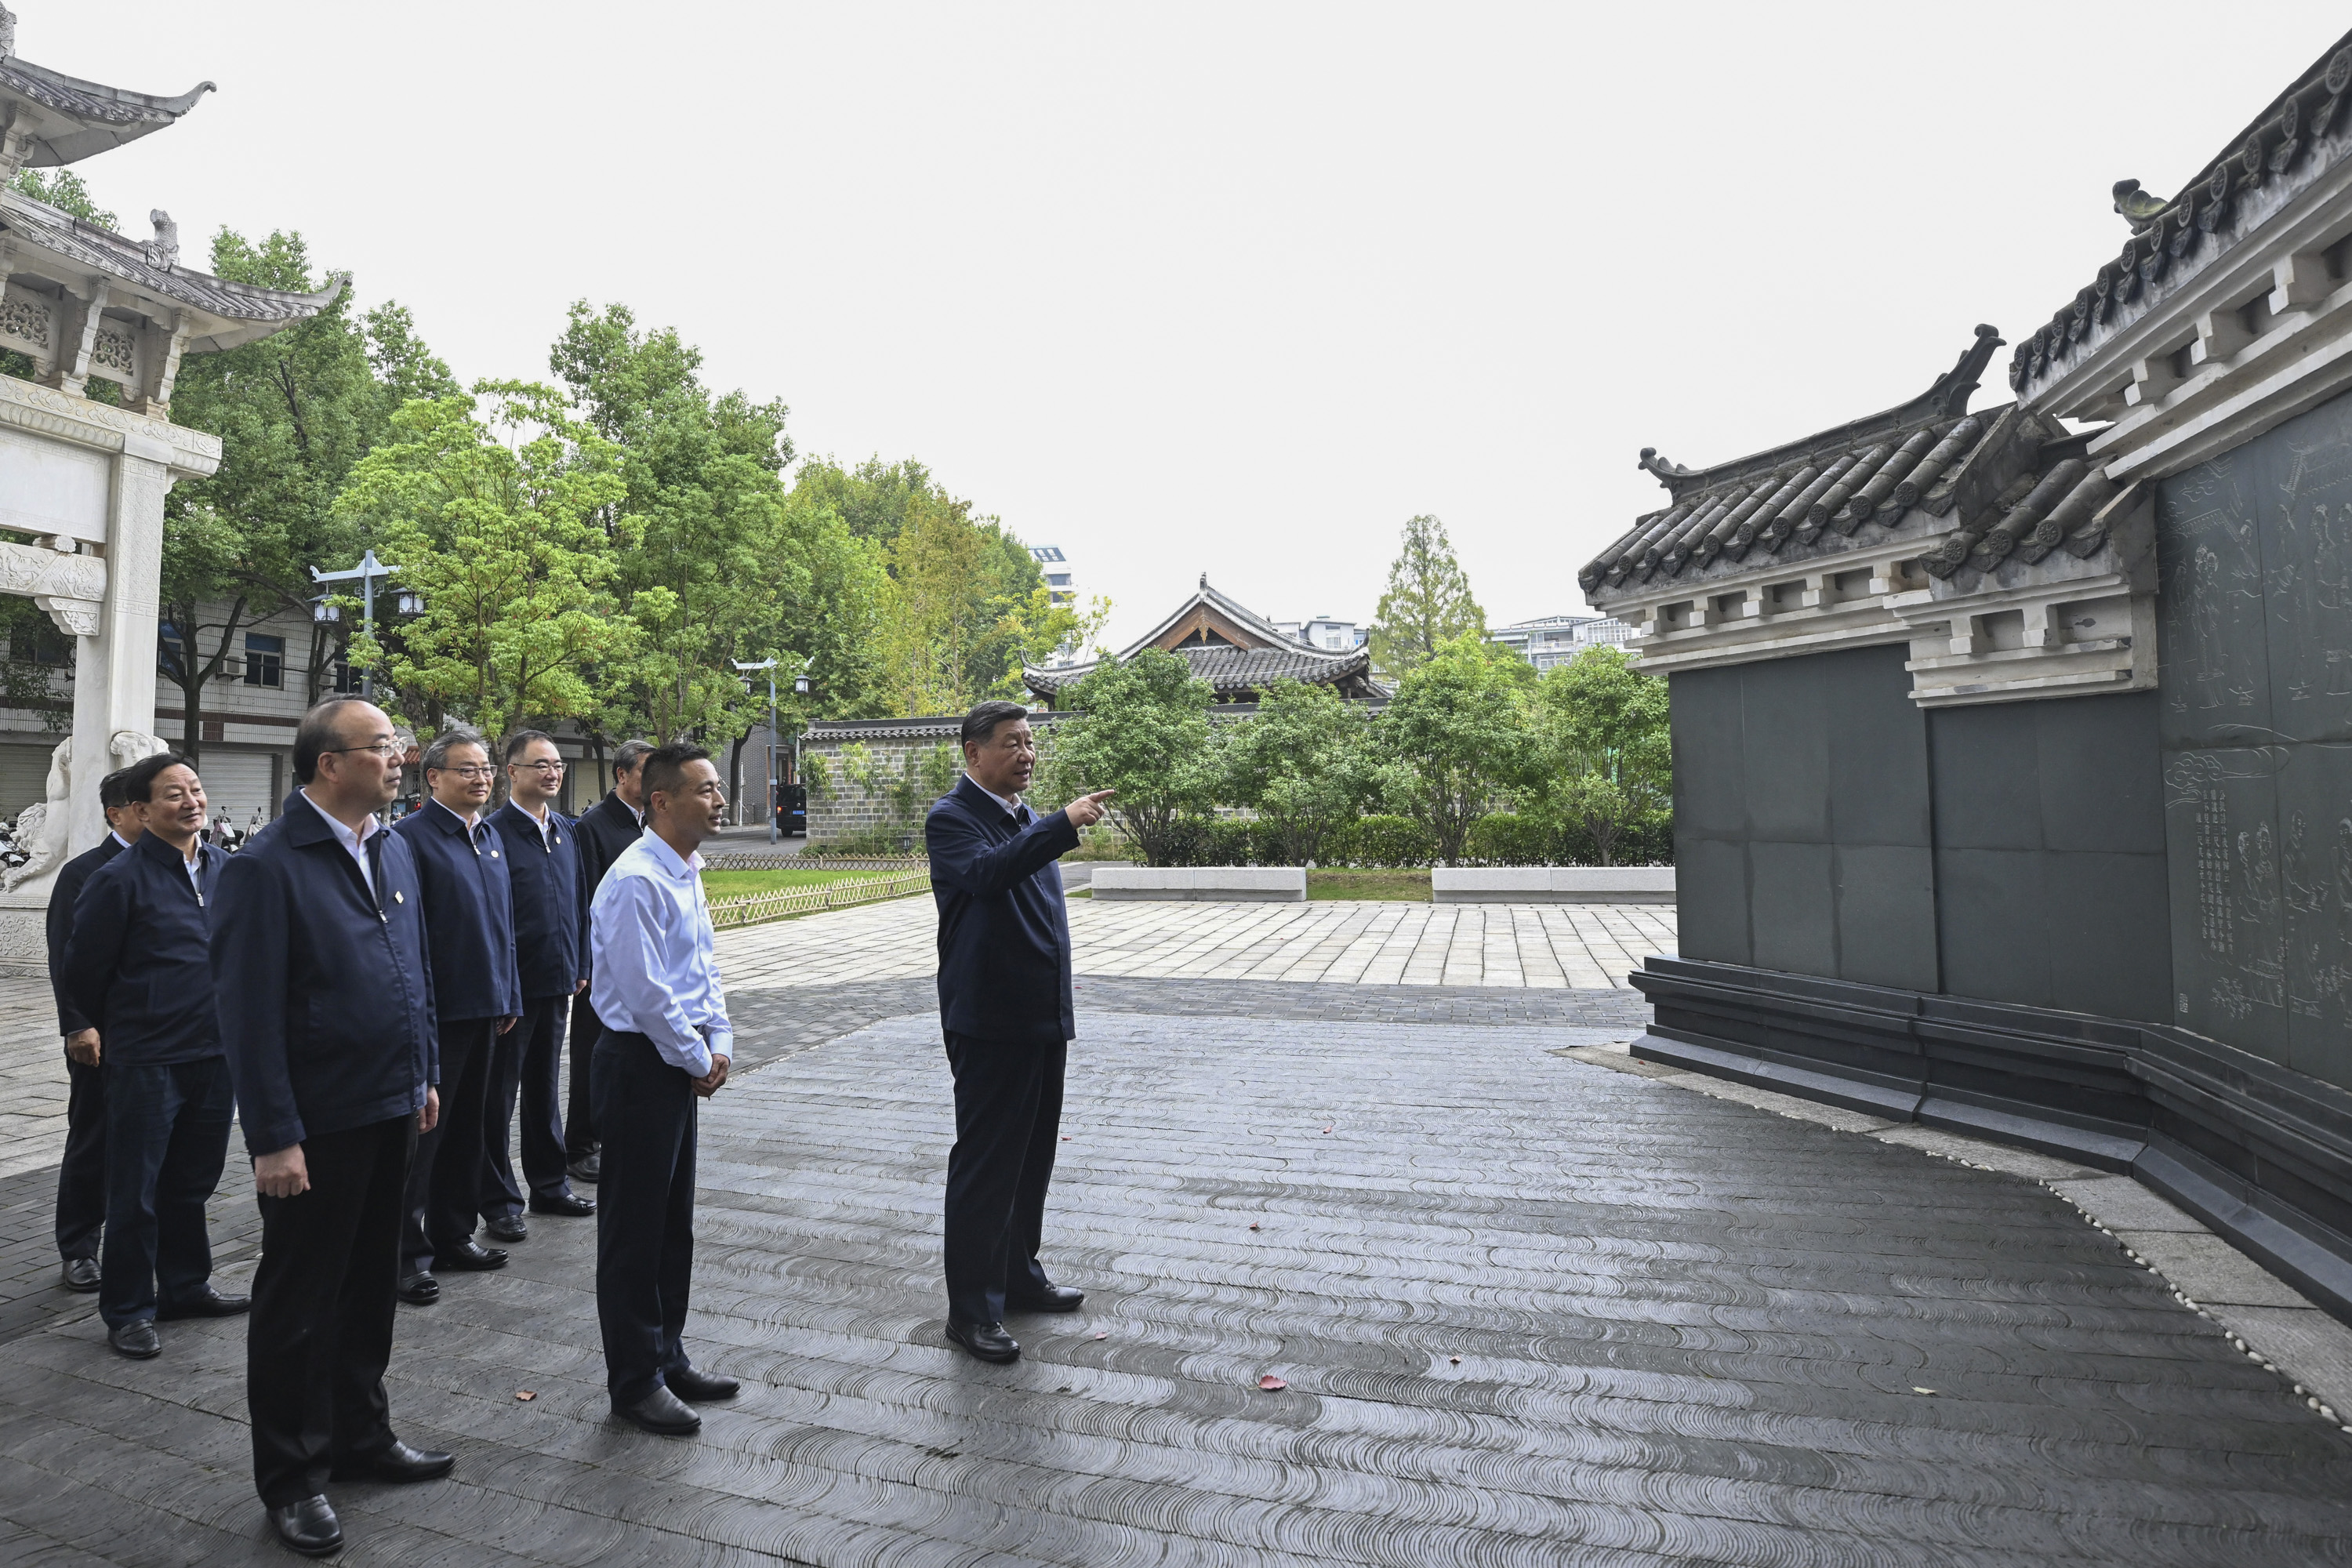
1534, 1303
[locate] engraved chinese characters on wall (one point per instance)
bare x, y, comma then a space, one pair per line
2254, 552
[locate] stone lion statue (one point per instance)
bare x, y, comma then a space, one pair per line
45, 829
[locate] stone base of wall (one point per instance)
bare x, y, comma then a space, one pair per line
2261, 1153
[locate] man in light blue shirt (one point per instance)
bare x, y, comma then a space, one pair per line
666, 1044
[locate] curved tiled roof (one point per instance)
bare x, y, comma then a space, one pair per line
104, 251
1231, 669
102, 117
2306, 128
1996, 483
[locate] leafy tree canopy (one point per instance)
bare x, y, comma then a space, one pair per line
64, 190
1602, 754
1303, 762
1457, 735
1142, 728
1428, 602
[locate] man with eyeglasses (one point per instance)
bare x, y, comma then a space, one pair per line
325, 998
603, 831
461, 865
550, 928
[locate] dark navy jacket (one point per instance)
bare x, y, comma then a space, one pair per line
550, 901
325, 995
140, 962
468, 913
1004, 928
604, 830
72, 876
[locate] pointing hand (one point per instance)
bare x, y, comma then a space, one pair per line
1087, 809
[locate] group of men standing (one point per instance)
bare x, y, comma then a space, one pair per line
373, 1004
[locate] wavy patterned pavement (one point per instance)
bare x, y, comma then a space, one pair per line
1530, 1311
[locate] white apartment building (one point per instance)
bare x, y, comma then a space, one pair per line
1555, 639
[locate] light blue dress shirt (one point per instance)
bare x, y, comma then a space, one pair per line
656, 970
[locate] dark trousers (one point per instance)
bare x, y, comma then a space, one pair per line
1008, 1101
645, 1213
81, 1177
524, 1065
580, 1111
445, 1178
166, 1139
322, 1306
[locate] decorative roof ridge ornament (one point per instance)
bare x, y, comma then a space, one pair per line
164, 250
1666, 472
1949, 397
2139, 207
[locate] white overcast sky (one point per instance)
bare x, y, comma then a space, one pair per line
1233, 289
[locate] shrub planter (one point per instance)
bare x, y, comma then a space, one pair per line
1551, 885
1203, 884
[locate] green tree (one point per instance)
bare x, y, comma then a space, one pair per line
965, 608
1428, 602
709, 572
875, 500
492, 520
1602, 754
294, 412
64, 190
1141, 727
1458, 734
1301, 762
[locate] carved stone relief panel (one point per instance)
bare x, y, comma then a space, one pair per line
51, 488
2255, 550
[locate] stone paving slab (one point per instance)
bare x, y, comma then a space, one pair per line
1530, 1311
1554, 946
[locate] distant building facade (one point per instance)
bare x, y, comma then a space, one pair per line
1555, 639
1326, 632
1235, 649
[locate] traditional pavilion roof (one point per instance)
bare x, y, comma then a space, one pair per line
232, 313
1988, 483
1235, 649
2304, 130
65, 119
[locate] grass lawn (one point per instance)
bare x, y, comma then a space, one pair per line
775, 878
1412, 885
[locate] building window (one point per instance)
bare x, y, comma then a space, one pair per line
344, 680
1058, 579
168, 651
264, 660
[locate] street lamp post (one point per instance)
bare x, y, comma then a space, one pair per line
770, 665
367, 575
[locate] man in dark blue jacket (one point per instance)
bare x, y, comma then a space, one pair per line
603, 830
551, 929
326, 1007
81, 1173
1004, 1004
140, 965
470, 929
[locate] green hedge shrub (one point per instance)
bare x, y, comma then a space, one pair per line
1382, 841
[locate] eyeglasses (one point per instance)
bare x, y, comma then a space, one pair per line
480, 771
542, 767
388, 750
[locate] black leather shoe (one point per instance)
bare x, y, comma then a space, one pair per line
470, 1257
1053, 1299
586, 1168
507, 1227
398, 1463
136, 1340
309, 1526
989, 1341
567, 1204
81, 1274
207, 1302
661, 1413
418, 1289
701, 1388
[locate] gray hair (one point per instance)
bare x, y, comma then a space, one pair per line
436, 755
630, 755
981, 721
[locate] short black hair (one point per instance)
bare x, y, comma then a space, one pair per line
665, 766
629, 755
139, 778
316, 735
521, 738
981, 721
436, 755
109, 791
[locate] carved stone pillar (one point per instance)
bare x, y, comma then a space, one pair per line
114, 672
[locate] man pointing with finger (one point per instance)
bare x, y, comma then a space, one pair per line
1004, 1005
